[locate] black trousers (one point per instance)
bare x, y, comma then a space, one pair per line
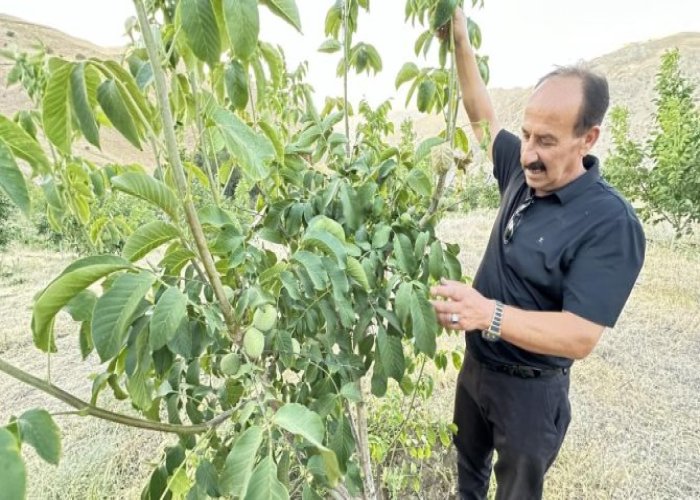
523, 419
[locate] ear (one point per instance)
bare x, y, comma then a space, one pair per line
589, 139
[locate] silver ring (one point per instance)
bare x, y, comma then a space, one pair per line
454, 318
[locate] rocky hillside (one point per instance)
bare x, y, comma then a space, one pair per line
630, 70
17, 35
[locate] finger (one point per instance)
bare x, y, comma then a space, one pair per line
445, 307
446, 321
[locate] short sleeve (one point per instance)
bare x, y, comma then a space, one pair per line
604, 269
506, 158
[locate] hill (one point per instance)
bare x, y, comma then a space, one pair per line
631, 73
630, 70
17, 35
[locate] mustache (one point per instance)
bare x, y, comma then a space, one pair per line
535, 165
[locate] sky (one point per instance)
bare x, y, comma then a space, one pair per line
524, 39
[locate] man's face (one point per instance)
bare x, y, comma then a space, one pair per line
551, 154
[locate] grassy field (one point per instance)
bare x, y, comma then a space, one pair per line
635, 431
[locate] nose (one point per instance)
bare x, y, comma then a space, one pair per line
527, 153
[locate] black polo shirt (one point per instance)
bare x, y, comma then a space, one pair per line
578, 249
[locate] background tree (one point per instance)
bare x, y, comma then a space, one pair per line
662, 173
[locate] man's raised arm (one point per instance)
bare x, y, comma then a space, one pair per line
475, 97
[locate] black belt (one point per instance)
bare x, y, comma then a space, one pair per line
525, 371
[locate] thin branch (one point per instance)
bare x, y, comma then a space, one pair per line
179, 175
346, 47
85, 408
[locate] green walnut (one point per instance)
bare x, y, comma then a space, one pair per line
265, 318
230, 364
253, 342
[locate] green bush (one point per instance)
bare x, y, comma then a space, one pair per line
661, 173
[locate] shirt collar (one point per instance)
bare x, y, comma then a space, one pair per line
582, 182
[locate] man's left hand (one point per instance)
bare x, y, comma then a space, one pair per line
470, 309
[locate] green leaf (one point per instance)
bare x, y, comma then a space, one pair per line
13, 476
443, 13
264, 484
331, 468
207, 478
421, 41
402, 304
243, 26
381, 236
147, 188
55, 110
274, 61
419, 181
112, 103
201, 30
407, 73
330, 46
271, 134
391, 354
286, 9
461, 140
80, 307
128, 88
474, 33
328, 243
436, 260
147, 238
351, 210
313, 266
424, 324
114, 310
423, 149
23, 145
351, 392
175, 260
301, 421
403, 252
357, 272
85, 339
239, 464
236, 79
82, 106
37, 428
483, 64
12, 180
169, 313
75, 278
253, 150
342, 442
426, 95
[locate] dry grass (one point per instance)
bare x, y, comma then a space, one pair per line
100, 459
635, 431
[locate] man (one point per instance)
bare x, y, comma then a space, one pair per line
563, 255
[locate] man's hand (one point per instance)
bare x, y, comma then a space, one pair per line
473, 311
459, 25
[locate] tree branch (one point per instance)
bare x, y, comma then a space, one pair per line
85, 408
179, 174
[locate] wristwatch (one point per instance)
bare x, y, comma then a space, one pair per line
493, 332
